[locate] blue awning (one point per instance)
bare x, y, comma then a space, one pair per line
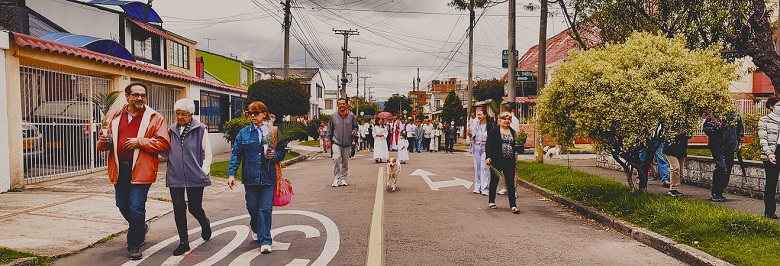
103, 46
136, 10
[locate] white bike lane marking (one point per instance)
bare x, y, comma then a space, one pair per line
331, 247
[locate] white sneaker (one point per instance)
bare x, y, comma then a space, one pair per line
502, 191
265, 249
343, 183
335, 183
254, 236
485, 193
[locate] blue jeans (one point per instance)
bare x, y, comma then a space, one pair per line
663, 163
131, 201
419, 144
260, 204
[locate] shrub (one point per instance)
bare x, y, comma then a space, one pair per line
232, 127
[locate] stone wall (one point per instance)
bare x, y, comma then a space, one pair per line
698, 172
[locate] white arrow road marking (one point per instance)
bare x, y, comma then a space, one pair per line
440, 184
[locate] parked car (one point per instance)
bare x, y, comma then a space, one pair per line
69, 128
32, 145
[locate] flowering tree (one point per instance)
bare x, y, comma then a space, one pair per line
631, 97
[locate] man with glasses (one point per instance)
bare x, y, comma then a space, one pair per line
341, 127
136, 134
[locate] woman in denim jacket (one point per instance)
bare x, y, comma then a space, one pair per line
259, 173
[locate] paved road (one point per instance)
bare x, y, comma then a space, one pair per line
422, 226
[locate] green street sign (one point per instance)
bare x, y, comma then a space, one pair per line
524, 76
505, 58
404, 111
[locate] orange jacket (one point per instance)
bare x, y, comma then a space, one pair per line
153, 139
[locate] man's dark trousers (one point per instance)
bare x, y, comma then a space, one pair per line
724, 161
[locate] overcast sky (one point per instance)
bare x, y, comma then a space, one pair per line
395, 36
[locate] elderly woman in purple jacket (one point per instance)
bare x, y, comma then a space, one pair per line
189, 161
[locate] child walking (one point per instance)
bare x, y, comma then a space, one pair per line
403, 148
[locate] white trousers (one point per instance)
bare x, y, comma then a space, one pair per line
481, 170
340, 162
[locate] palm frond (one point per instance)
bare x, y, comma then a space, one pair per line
105, 100
291, 130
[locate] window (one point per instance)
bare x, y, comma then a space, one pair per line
328, 104
244, 76
146, 47
180, 55
210, 113
237, 107
319, 91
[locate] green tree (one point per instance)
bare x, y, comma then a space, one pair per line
489, 89
396, 104
367, 108
232, 127
633, 96
282, 97
453, 109
738, 28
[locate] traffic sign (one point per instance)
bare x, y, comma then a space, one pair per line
524, 76
505, 58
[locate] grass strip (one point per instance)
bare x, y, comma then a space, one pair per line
220, 169
737, 237
311, 143
8, 255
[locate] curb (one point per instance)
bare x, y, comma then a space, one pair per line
29, 261
659, 242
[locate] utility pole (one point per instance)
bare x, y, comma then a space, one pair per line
370, 98
777, 40
286, 26
471, 55
357, 82
418, 89
542, 66
208, 43
346, 34
510, 94
364, 87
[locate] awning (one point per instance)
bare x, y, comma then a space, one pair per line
151, 29
103, 46
521, 100
136, 10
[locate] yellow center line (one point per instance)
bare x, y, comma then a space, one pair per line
376, 250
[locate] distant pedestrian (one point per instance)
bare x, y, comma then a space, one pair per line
724, 139
369, 126
676, 151
768, 137
323, 131
501, 150
189, 163
418, 125
381, 151
341, 129
403, 148
411, 134
450, 136
427, 134
136, 135
257, 148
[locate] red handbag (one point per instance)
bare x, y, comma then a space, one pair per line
284, 191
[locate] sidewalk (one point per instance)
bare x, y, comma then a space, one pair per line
60, 217
587, 163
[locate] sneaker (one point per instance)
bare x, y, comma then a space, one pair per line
476, 192
718, 198
343, 183
514, 210
666, 184
502, 191
143, 241
135, 254
335, 183
254, 236
773, 216
265, 249
183, 247
484, 193
675, 193
206, 233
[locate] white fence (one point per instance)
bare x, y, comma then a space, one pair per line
744, 106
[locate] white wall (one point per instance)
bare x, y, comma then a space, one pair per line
79, 19
745, 83
5, 172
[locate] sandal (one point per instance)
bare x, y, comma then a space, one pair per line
492, 205
514, 210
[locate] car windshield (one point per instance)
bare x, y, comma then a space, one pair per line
80, 110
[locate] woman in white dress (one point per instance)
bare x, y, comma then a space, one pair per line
381, 153
403, 148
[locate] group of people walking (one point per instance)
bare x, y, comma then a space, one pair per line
136, 134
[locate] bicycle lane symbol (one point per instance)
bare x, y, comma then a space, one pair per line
332, 241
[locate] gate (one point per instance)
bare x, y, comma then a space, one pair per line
60, 123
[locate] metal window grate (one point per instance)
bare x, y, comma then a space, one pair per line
60, 124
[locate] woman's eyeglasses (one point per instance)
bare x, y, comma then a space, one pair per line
253, 113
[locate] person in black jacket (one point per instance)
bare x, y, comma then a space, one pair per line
676, 151
724, 139
501, 152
